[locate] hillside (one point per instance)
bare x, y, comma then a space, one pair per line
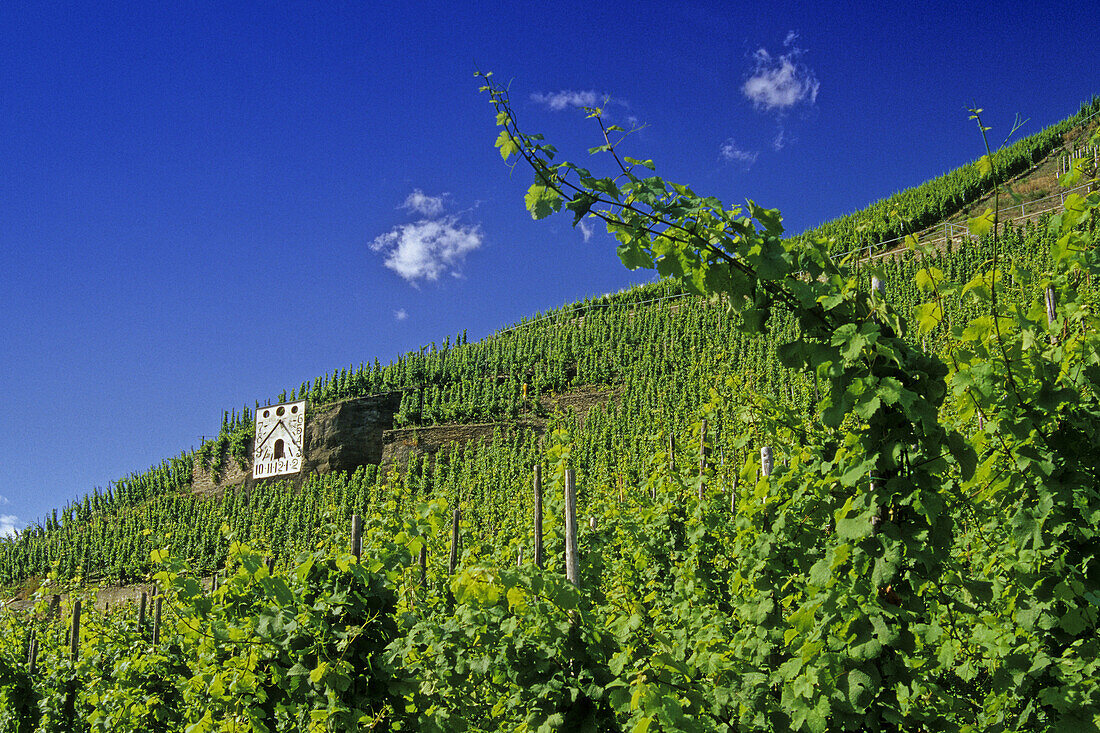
648, 342
660, 402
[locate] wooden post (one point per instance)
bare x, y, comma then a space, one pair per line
424, 565
519, 557
671, 453
538, 515
156, 616
454, 542
32, 654
733, 496
141, 613
356, 535
1052, 314
270, 562
572, 566
592, 523
74, 632
702, 455
766, 460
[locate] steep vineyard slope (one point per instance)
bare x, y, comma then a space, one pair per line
829, 497
658, 348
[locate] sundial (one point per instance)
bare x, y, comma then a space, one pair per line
280, 434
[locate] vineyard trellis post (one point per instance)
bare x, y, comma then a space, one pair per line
1051, 303
32, 654
538, 515
156, 615
32, 641
878, 287
702, 455
424, 565
74, 632
572, 564
453, 562
141, 613
356, 535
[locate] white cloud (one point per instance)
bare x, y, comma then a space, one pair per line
400, 314
779, 83
428, 248
557, 101
586, 229
9, 525
780, 140
729, 151
4, 500
419, 203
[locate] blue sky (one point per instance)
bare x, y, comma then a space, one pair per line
205, 204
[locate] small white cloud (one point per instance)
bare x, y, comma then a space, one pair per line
400, 314
586, 229
10, 525
779, 83
429, 248
557, 101
729, 151
419, 203
780, 140
4, 500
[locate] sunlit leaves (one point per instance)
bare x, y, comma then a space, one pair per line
506, 143
542, 200
981, 224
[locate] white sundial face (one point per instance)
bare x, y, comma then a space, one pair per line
280, 435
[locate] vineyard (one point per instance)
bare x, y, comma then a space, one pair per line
818, 495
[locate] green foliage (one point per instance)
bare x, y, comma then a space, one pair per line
923, 555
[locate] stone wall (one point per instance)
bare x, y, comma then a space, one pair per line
345, 435
402, 444
203, 480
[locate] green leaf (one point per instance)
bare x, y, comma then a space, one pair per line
855, 528
644, 163
928, 278
507, 144
985, 166
580, 205
542, 201
770, 218
981, 224
633, 256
